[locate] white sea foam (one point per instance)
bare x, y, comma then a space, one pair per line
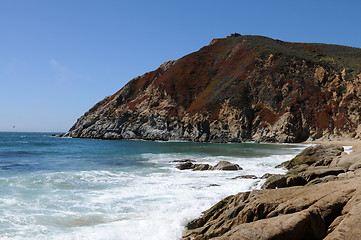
112, 203
347, 149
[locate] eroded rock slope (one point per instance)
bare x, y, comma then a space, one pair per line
239, 88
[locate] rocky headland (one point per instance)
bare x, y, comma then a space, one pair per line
239, 88
318, 198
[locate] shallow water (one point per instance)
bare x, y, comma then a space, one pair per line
63, 188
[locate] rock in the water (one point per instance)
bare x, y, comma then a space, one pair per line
187, 164
202, 167
222, 165
246, 177
182, 161
267, 175
225, 165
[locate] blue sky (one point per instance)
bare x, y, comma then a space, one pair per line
59, 58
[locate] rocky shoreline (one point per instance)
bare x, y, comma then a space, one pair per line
253, 88
318, 198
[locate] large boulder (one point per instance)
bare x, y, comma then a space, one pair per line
311, 212
225, 165
311, 166
319, 155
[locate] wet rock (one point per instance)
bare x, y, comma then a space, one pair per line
187, 164
182, 161
246, 177
287, 213
226, 166
222, 165
202, 167
213, 185
267, 175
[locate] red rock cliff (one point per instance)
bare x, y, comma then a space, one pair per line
240, 88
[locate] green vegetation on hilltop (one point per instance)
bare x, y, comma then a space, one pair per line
337, 56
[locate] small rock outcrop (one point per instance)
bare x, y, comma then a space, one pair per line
227, 166
318, 155
313, 165
222, 165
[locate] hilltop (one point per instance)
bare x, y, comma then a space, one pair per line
238, 88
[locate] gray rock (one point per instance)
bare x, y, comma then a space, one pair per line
182, 161
201, 167
185, 165
222, 165
227, 166
246, 177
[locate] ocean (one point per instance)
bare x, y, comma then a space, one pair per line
64, 188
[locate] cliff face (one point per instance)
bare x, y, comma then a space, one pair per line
239, 88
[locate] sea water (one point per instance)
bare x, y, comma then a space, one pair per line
63, 188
